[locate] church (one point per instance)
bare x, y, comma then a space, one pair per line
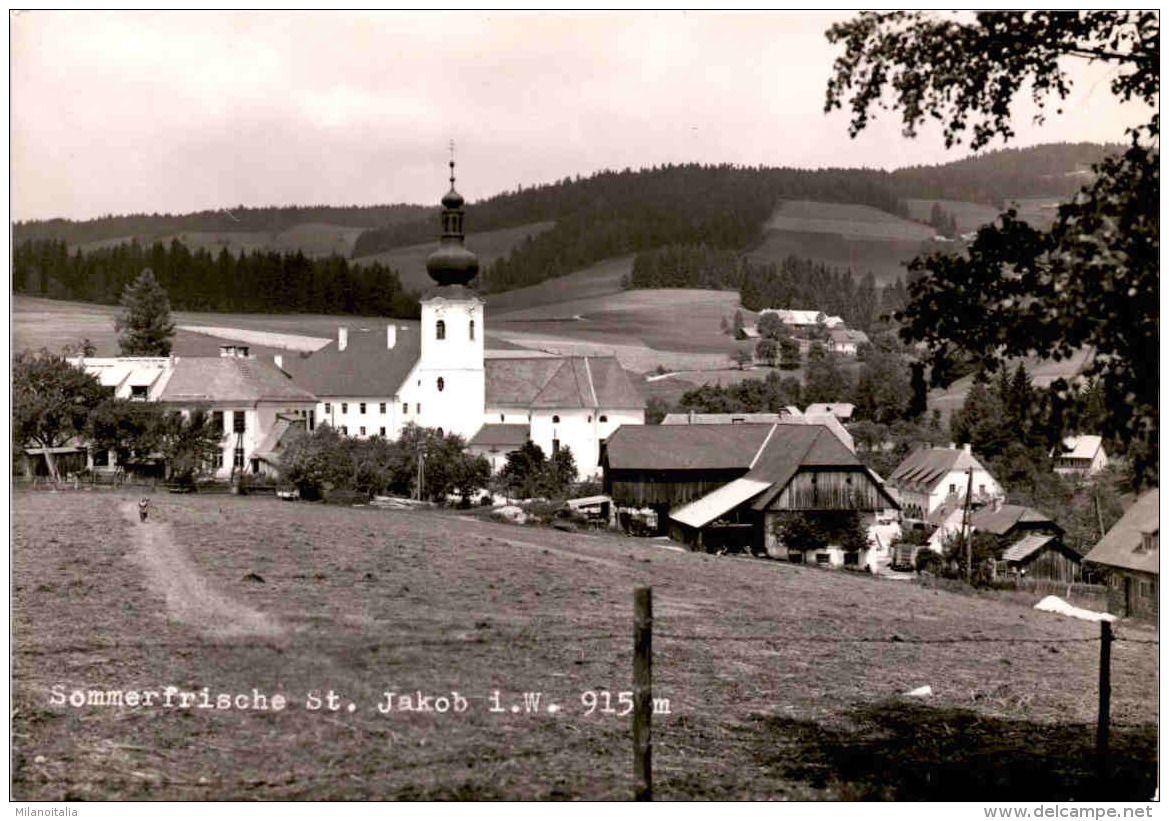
438, 374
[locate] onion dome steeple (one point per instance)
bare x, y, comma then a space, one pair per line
452, 263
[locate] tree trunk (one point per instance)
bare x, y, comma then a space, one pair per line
51, 463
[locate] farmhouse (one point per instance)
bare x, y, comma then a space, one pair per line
253, 402
373, 383
1130, 553
729, 485
929, 478
844, 341
1080, 456
796, 319
787, 416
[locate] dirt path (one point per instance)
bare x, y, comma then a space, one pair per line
189, 597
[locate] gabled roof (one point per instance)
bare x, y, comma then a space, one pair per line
1079, 447
843, 335
560, 383
725, 418
800, 446
1122, 545
928, 466
365, 368
687, 447
501, 435
1002, 521
224, 379
283, 432
1033, 543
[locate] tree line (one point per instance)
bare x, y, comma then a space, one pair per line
238, 218
257, 282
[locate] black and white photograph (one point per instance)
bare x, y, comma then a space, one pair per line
585, 406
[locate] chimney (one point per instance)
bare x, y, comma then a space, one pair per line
391, 337
953, 446
342, 338
966, 447
279, 360
234, 351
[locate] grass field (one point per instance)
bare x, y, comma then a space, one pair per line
847, 220
599, 280
410, 261
311, 238
236, 593
1042, 373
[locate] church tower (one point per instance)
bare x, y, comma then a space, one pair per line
449, 376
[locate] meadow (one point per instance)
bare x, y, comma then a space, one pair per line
783, 681
311, 238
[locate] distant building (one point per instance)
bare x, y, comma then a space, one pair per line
1080, 456
1130, 553
846, 342
796, 318
789, 415
841, 410
931, 482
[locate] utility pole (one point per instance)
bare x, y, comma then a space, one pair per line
966, 524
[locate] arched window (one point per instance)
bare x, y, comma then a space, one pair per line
440, 330
441, 384
472, 329
555, 420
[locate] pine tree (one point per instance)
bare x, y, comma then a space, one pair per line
145, 327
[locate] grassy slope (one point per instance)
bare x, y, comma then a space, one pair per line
313, 239
410, 262
365, 601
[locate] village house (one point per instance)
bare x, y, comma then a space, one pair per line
787, 416
1034, 547
1130, 554
371, 382
930, 483
845, 341
728, 485
1080, 456
251, 401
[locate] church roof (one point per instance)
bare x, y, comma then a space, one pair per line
367, 367
561, 383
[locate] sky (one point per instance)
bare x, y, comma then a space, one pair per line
171, 112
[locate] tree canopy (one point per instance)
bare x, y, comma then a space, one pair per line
1091, 280
51, 401
145, 327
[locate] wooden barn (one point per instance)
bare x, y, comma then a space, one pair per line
1130, 554
1042, 556
727, 485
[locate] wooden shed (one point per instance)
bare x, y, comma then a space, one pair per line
1042, 556
1130, 553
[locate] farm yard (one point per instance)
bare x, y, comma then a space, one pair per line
783, 681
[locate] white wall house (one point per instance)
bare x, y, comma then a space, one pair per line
1080, 456
931, 481
251, 400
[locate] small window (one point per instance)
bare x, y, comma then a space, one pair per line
217, 421
822, 558
361, 430
362, 407
604, 418
239, 423
555, 420
217, 460
405, 408
440, 330
381, 432
381, 408
344, 407
953, 488
312, 420
501, 417
139, 393
472, 329
328, 407
101, 458
239, 458
590, 418
418, 407
441, 384
344, 430
982, 490
255, 466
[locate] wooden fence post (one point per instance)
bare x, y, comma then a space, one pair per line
1102, 717
642, 692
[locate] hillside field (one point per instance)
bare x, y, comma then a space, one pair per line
782, 681
312, 239
410, 261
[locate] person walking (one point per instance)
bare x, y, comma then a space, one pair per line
143, 507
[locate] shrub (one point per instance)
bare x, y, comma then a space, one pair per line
927, 561
344, 496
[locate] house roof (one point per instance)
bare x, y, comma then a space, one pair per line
928, 466
560, 383
1121, 546
365, 368
501, 435
795, 317
843, 335
686, 447
1031, 544
725, 418
284, 431
702, 512
1079, 447
229, 378
1007, 517
801, 446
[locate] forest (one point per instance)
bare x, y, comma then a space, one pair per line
260, 282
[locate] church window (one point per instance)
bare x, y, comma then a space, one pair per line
405, 408
418, 407
440, 330
328, 407
363, 407
555, 420
361, 430
344, 407
501, 419
381, 408
381, 432
472, 329
441, 384
604, 418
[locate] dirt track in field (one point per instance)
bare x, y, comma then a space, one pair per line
190, 599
